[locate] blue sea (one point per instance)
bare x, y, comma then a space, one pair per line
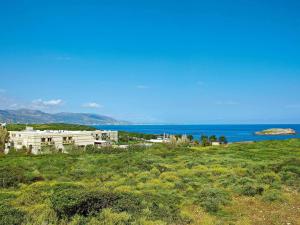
234, 133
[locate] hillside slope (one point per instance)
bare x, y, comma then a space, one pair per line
37, 116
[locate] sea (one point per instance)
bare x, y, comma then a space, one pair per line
233, 133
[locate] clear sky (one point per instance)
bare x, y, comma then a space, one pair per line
156, 61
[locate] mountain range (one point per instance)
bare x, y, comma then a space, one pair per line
37, 116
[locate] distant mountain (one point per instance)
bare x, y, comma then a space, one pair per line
37, 116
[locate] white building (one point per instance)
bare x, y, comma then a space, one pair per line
159, 140
36, 140
215, 143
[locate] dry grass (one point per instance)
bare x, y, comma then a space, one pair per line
257, 212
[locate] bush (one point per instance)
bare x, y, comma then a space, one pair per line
290, 179
11, 176
212, 199
108, 217
272, 195
73, 149
10, 215
251, 190
249, 187
164, 206
90, 149
269, 178
127, 202
70, 201
49, 150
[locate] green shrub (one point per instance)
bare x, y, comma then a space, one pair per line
272, 195
34, 176
51, 149
4, 197
290, 179
70, 201
127, 202
211, 199
11, 176
10, 215
108, 217
90, 149
164, 206
269, 178
73, 149
19, 152
251, 189
248, 187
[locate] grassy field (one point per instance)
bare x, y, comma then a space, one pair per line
255, 183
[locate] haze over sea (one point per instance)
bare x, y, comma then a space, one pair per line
234, 133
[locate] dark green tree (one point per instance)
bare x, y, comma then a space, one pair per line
204, 140
213, 138
223, 140
4, 136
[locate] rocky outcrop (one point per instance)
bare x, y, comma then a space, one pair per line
277, 131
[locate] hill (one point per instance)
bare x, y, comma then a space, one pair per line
49, 126
256, 183
37, 117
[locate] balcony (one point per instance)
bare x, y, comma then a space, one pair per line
47, 143
68, 142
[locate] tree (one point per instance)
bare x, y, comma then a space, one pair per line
204, 140
223, 140
190, 137
4, 135
213, 138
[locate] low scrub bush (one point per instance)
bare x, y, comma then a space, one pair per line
4, 197
10, 215
212, 199
109, 217
270, 178
291, 179
11, 176
34, 176
164, 206
249, 187
70, 201
272, 195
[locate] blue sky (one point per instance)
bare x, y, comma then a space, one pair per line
153, 61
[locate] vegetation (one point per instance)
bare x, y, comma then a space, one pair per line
223, 140
207, 141
133, 137
49, 126
4, 135
255, 183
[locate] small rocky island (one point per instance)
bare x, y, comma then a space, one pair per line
277, 131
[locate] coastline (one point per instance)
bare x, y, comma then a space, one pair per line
234, 133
